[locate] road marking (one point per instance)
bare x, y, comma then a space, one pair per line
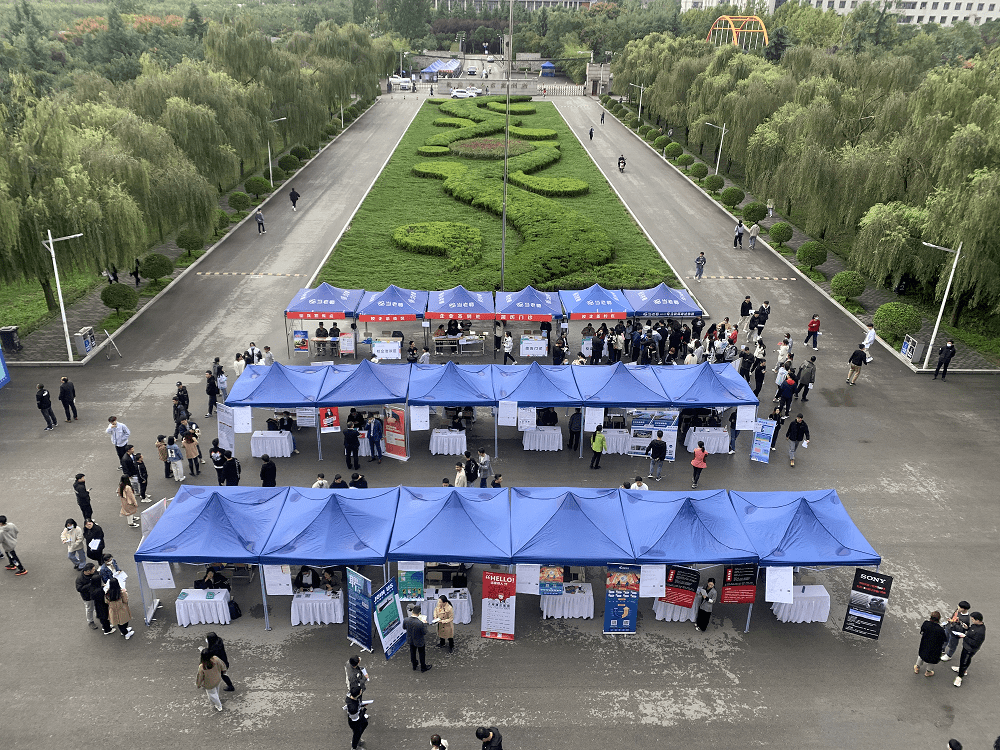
752, 278
245, 273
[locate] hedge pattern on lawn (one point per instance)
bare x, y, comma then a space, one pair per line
515, 109
554, 187
460, 243
490, 148
453, 122
533, 134
434, 151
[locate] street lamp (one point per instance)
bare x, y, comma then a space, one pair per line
944, 300
506, 153
721, 141
642, 90
270, 166
55, 270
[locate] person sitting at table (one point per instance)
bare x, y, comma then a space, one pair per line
355, 420
550, 417
452, 328
714, 420
212, 580
338, 483
321, 333
440, 332
580, 359
328, 580
334, 337
456, 422
307, 579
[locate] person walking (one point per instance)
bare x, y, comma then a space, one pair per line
67, 397
212, 391
786, 390
88, 585
259, 216
709, 595
973, 641
598, 443
83, 495
416, 630
738, 234
209, 677
657, 452
8, 544
699, 266
759, 372
357, 713
602, 117
805, 379
621, 163
444, 615
268, 472
812, 332
294, 198
471, 467
176, 458
699, 463
460, 480
798, 432
857, 360
508, 348
118, 612
232, 470
218, 458
217, 648
945, 354
93, 535
958, 623
869, 338
754, 233
436, 742
72, 537
43, 400
485, 467
932, 640
375, 433
191, 453
591, 134
490, 738
352, 444
129, 505
746, 310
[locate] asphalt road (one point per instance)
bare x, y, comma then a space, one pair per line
914, 461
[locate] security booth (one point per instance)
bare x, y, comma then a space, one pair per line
320, 309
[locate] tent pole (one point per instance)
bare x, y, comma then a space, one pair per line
288, 343
263, 594
142, 596
749, 612
319, 435
496, 439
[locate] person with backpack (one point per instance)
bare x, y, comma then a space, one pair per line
738, 234
471, 469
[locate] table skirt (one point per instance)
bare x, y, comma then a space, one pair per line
317, 608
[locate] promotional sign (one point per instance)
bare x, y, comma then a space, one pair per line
587, 346
420, 418
739, 584
641, 433
389, 619
746, 417
550, 580
534, 346
526, 418
300, 340
305, 417
592, 416
645, 425
395, 433
359, 610
528, 576
778, 585
681, 586
499, 598
387, 349
507, 414
763, 431
668, 420
866, 608
652, 580
410, 577
329, 419
277, 580
621, 603
347, 343
158, 575
227, 434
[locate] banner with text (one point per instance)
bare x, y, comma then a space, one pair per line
866, 608
395, 433
410, 576
550, 580
499, 598
359, 610
621, 603
762, 434
739, 584
300, 340
329, 419
682, 586
227, 431
389, 619
534, 346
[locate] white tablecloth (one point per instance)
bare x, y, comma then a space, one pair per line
460, 599
570, 605
366, 449
196, 608
274, 444
716, 439
812, 605
317, 607
543, 439
447, 443
618, 441
673, 613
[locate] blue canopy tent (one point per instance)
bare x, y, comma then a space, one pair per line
536, 385
528, 304
451, 385
661, 302
703, 385
364, 383
596, 303
323, 303
458, 303
278, 386
548, 69
619, 386
328, 527
571, 526
394, 304
448, 524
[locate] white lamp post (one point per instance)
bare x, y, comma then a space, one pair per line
270, 167
51, 245
642, 90
944, 300
721, 141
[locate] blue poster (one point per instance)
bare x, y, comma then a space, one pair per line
359, 610
4, 372
762, 435
621, 604
389, 619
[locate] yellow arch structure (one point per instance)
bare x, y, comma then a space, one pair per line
746, 32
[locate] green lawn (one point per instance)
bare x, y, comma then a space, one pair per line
23, 304
564, 242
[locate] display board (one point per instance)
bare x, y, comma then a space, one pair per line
762, 434
387, 349
395, 433
534, 346
389, 619
359, 610
507, 414
592, 416
645, 424
410, 578
347, 343
526, 418
499, 604
778, 585
227, 433
300, 342
277, 580
420, 418
305, 416
329, 419
550, 580
681, 586
867, 606
158, 575
652, 580
739, 584
528, 577
621, 603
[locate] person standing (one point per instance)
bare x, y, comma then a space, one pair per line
294, 198
759, 372
179, 414
436, 742
375, 431
118, 611
43, 400
164, 454
320, 483
231, 470
72, 537
259, 216
812, 332
591, 134
352, 443
932, 640
222, 381
217, 648
353, 671
460, 480
93, 535
699, 463
869, 338
699, 266
602, 117
958, 623
657, 452
129, 505
176, 458
191, 453
709, 595
128, 463
209, 677
218, 457
763, 313
746, 310
268, 358
444, 615
416, 630
858, 359
798, 432
508, 348
88, 585
973, 641
83, 495
485, 467
357, 713
239, 364
425, 357
805, 379
738, 234
471, 468
8, 543
212, 391
754, 233
945, 354
268, 472
598, 442
786, 391
490, 738
142, 476
575, 427
67, 396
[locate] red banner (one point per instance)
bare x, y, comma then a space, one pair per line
329, 419
521, 316
386, 318
395, 434
499, 597
739, 584
315, 315
458, 315
609, 315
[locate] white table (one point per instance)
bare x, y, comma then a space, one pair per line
460, 599
672, 612
570, 605
618, 441
317, 607
543, 439
365, 448
811, 605
197, 608
448, 442
716, 439
274, 444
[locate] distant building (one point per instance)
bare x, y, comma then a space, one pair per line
943, 12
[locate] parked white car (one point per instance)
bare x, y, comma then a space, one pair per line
474, 91
462, 94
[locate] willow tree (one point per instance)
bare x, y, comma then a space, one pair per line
888, 245
238, 46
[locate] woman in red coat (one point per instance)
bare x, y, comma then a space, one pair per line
812, 331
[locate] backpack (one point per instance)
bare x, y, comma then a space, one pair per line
235, 612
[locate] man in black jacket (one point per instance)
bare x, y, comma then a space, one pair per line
575, 426
180, 414
859, 357
416, 630
128, 462
351, 446
43, 400
945, 355
182, 395
88, 584
268, 472
231, 470
971, 644
746, 310
83, 496
490, 738
67, 396
657, 452
212, 391
798, 431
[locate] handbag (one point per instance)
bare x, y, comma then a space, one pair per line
235, 612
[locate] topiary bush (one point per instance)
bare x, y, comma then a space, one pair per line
490, 148
781, 232
673, 150
461, 243
533, 134
661, 142
289, 163
633, 123
699, 171
258, 186
651, 135
732, 196
847, 284
553, 187
713, 183
754, 212
301, 153
332, 128
515, 109
894, 320
643, 129
277, 173
190, 240
155, 266
684, 160
222, 220
433, 150
812, 254
240, 201
351, 113
120, 297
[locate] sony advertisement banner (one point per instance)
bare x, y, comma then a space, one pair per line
867, 605
499, 599
389, 619
359, 610
621, 603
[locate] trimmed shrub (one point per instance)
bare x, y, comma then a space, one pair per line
301, 153
515, 109
332, 128
554, 187
190, 240
684, 161
120, 297
605, 98
894, 320
258, 186
732, 196
713, 183
461, 243
754, 212
277, 173
661, 142
240, 201
222, 220
533, 134
490, 148
848, 284
289, 163
433, 150
781, 232
699, 171
351, 113
633, 123
155, 266
673, 150
812, 254
453, 122
643, 129
651, 135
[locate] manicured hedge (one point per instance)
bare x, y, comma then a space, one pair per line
848, 284
651, 135
554, 187
812, 254
289, 163
643, 129
515, 109
434, 151
258, 186
633, 123
781, 232
673, 150
461, 243
240, 201
894, 320
533, 134
754, 212
490, 148
661, 142
301, 153
540, 158
699, 171
713, 183
732, 196
453, 122
684, 160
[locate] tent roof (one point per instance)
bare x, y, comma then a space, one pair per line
203, 525
451, 385
459, 303
324, 527
528, 304
536, 385
325, 300
685, 527
547, 64
277, 386
618, 386
364, 383
595, 303
442, 65
445, 524
705, 385
570, 526
393, 304
802, 528
661, 301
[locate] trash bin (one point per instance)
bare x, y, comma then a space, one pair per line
85, 341
9, 339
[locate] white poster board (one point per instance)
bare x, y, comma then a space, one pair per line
242, 420
746, 417
527, 578
779, 585
534, 346
653, 580
347, 343
507, 416
227, 434
305, 417
592, 417
387, 349
159, 575
277, 580
526, 418
420, 418
587, 346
